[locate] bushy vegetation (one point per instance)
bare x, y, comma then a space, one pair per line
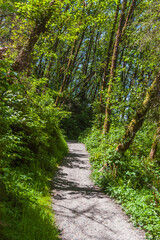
132, 178
31, 147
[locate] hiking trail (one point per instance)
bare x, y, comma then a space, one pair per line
82, 211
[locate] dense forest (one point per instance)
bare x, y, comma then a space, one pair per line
87, 70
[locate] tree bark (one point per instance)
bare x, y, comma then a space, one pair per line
139, 117
155, 142
23, 58
120, 33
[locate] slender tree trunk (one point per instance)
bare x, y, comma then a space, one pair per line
108, 59
155, 142
78, 48
71, 64
88, 52
120, 33
72, 59
92, 68
130, 13
106, 126
139, 117
106, 67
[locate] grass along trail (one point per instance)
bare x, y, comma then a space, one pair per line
82, 211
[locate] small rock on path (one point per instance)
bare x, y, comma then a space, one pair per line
82, 211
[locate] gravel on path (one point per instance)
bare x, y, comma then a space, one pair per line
82, 211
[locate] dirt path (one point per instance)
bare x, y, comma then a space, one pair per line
82, 211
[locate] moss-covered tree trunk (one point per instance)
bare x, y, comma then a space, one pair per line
23, 57
139, 117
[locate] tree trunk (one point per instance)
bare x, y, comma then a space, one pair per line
131, 10
71, 64
155, 142
88, 52
120, 34
23, 58
138, 120
106, 126
109, 54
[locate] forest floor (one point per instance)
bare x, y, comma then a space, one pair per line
82, 211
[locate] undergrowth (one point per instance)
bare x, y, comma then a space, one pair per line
131, 178
32, 146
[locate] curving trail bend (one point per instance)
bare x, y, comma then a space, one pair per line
82, 211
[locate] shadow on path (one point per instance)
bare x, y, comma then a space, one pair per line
62, 182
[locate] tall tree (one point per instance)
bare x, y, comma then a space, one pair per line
121, 30
23, 57
139, 117
108, 59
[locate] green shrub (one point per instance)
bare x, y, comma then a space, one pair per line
31, 147
131, 178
